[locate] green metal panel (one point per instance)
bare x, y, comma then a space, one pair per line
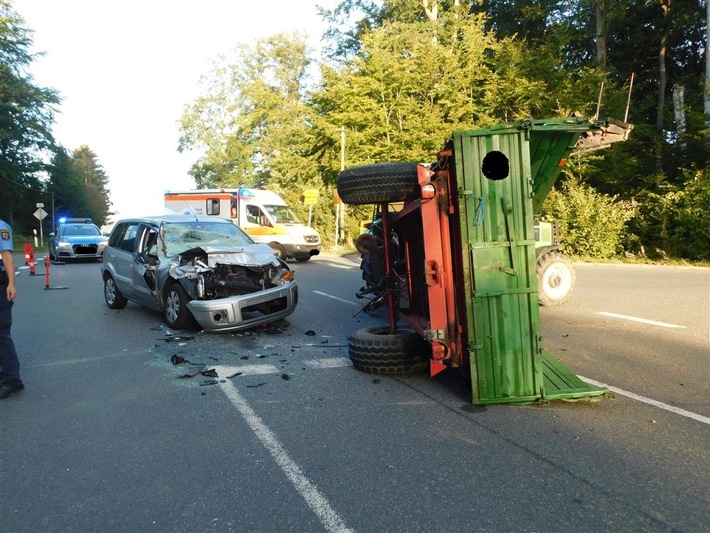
507, 362
497, 226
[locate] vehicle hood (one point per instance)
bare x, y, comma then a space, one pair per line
84, 239
300, 229
251, 255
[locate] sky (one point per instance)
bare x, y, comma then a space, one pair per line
125, 71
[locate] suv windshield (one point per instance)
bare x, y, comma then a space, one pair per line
181, 236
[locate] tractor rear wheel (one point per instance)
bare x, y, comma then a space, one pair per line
377, 351
379, 183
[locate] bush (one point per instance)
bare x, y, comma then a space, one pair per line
591, 224
675, 221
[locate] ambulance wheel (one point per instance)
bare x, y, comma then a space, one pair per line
379, 183
279, 251
375, 350
556, 279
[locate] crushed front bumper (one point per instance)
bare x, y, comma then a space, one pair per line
247, 310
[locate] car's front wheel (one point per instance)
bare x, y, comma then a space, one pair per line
177, 315
114, 298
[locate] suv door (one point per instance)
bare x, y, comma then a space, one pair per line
121, 256
145, 266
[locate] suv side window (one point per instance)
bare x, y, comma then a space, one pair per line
124, 237
148, 240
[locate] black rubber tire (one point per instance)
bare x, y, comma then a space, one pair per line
279, 250
376, 351
303, 258
114, 298
177, 315
379, 183
556, 279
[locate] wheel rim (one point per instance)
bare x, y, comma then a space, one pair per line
172, 306
110, 291
557, 281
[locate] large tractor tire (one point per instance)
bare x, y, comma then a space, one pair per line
377, 351
379, 183
556, 279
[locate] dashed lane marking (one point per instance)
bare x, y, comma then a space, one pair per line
641, 320
336, 298
224, 371
328, 362
649, 401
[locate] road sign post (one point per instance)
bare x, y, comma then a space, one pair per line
39, 215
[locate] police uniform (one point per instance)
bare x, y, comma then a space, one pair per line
9, 364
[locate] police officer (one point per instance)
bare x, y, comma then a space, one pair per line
9, 364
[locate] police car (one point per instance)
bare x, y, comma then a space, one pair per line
76, 238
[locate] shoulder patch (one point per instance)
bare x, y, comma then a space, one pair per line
5, 235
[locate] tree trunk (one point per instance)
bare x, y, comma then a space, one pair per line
433, 11
707, 70
662, 82
662, 75
679, 115
601, 11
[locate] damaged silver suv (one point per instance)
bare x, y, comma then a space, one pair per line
196, 269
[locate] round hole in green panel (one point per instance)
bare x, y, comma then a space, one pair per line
495, 166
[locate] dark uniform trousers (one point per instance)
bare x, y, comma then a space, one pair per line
9, 364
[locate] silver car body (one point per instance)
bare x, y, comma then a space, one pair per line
230, 282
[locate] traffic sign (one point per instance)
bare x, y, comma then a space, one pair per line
40, 214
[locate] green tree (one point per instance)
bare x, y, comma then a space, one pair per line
78, 184
253, 124
26, 117
95, 183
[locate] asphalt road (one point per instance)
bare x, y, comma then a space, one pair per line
109, 437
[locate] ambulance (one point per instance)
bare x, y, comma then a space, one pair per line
261, 214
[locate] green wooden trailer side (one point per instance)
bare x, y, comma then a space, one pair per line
503, 176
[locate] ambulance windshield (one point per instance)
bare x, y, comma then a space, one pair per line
282, 214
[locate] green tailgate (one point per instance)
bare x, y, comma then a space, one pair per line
507, 362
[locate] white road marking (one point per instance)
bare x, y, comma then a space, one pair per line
330, 519
649, 401
336, 298
642, 320
329, 362
245, 370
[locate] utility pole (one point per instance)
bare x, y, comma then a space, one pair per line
342, 167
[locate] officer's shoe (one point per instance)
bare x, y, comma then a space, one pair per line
7, 388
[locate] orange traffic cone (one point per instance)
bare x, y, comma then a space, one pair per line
28, 250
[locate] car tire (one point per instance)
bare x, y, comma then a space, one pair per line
379, 183
375, 350
303, 258
177, 315
556, 279
114, 298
